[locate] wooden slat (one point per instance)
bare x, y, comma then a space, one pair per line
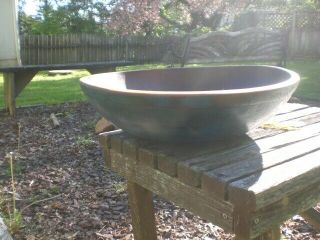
148, 157
295, 114
303, 121
194, 199
290, 107
219, 178
299, 122
171, 155
190, 171
105, 143
262, 188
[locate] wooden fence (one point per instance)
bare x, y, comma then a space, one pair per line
303, 28
86, 48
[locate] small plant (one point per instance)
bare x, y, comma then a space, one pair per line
54, 190
85, 141
90, 124
120, 187
12, 216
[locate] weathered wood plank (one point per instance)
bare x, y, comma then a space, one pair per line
148, 157
299, 122
303, 121
288, 206
105, 143
194, 199
169, 157
295, 114
191, 171
142, 212
219, 178
262, 189
290, 107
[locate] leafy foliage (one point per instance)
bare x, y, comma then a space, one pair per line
174, 16
64, 17
144, 17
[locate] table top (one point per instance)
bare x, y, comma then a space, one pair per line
279, 158
64, 66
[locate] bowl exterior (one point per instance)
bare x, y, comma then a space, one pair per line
186, 118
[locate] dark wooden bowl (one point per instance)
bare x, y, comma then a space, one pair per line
190, 104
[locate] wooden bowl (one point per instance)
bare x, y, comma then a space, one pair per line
190, 104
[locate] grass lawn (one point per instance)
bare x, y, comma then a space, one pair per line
45, 89
309, 87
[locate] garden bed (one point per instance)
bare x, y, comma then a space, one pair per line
65, 192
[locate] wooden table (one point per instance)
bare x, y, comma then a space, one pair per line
248, 186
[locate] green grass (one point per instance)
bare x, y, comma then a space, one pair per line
45, 89
309, 87
309, 71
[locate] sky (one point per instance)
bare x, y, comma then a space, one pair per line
31, 7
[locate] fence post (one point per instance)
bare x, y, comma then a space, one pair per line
293, 35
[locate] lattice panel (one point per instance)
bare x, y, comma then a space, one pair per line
310, 20
275, 20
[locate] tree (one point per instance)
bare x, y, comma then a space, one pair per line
134, 16
64, 17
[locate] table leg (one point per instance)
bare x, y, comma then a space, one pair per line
313, 217
272, 234
142, 212
9, 93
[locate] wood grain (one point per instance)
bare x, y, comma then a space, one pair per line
105, 143
247, 187
205, 205
9, 93
218, 179
264, 188
142, 212
289, 205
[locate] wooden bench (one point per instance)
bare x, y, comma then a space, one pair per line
248, 45
16, 78
247, 186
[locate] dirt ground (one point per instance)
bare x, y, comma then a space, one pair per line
65, 192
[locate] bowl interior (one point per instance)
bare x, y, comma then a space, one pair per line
191, 79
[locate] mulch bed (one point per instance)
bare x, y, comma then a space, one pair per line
66, 192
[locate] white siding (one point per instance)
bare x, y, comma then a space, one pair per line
9, 42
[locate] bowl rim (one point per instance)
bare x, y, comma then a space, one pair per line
291, 81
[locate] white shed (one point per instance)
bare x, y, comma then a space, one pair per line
9, 34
